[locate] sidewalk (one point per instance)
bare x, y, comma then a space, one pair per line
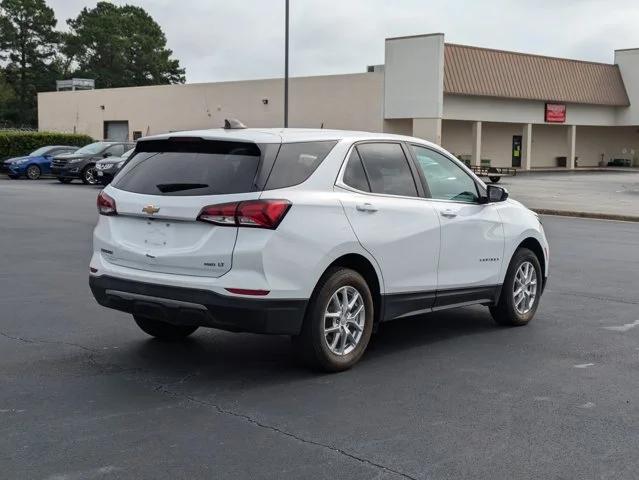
609, 194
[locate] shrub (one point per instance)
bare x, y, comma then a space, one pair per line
14, 143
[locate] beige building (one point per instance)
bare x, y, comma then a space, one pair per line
486, 106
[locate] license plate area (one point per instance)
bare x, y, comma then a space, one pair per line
170, 245
158, 234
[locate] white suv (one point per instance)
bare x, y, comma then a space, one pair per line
316, 234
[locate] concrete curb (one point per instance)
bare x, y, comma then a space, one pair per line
579, 170
600, 216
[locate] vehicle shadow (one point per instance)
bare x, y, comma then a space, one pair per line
223, 360
401, 335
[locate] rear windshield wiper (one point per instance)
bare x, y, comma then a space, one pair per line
178, 187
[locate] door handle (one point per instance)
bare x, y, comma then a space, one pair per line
448, 214
366, 207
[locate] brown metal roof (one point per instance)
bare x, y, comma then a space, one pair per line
496, 73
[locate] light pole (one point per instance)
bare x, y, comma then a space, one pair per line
286, 70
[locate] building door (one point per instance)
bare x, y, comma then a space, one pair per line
116, 131
517, 150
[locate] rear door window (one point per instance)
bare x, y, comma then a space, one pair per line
190, 167
387, 169
296, 162
354, 174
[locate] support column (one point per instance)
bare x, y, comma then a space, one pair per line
526, 147
429, 129
572, 144
476, 153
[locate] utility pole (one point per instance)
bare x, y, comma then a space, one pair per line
286, 70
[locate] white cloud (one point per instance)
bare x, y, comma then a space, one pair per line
240, 39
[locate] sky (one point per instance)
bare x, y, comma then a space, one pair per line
220, 40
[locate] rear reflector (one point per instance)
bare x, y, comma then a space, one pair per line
251, 213
106, 205
244, 291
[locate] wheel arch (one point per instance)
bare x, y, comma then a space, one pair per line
533, 245
366, 269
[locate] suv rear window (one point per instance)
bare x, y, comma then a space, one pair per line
187, 167
296, 162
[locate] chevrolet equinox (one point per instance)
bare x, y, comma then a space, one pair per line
316, 234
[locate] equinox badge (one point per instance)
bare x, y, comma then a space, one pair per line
150, 209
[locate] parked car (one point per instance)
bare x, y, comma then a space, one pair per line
108, 167
81, 164
316, 234
36, 164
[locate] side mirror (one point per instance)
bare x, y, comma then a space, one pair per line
106, 155
495, 194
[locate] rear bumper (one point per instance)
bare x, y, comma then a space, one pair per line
188, 306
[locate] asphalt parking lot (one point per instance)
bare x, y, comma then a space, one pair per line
85, 395
613, 192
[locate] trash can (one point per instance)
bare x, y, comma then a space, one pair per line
562, 161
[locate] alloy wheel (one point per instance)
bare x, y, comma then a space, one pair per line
90, 176
33, 172
525, 288
344, 319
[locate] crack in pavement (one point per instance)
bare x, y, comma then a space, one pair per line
91, 356
164, 388
257, 423
49, 342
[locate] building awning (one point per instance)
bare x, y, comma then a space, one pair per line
496, 73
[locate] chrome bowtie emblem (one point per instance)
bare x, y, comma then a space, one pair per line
150, 209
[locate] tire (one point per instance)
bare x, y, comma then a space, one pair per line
508, 312
163, 330
33, 172
64, 180
88, 176
313, 344
494, 179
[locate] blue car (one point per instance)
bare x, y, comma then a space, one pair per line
36, 164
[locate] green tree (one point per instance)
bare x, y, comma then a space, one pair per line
7, 99
28, 47
120, 46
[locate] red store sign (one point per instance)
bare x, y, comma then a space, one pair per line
555, 113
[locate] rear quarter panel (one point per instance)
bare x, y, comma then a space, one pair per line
289, 261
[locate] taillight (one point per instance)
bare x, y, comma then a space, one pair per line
251, 213
262, 213
223, 214
106, 205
